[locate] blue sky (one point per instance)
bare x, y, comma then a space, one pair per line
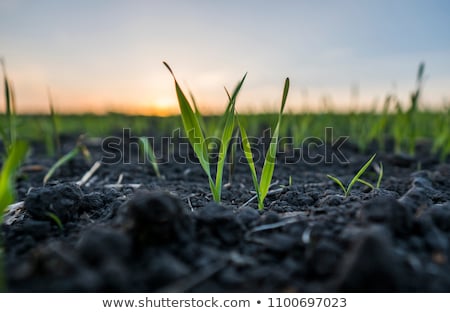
104, 55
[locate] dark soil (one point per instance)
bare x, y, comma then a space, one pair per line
167, 235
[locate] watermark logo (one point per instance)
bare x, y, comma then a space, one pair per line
126, 149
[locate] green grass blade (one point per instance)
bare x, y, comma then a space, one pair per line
4, 136
270, 160
224, 143
18, 152
380, 176
54, 124
228, 94
365, 182
285, 94
249, 156
8, 115
55, 219
230, 107
7, 192
197, 112
232, 158
227, 134
150, 153
232, 99
64, 159
192, 128
359, 174
339, 183
10, 133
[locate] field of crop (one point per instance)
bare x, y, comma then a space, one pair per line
270, 202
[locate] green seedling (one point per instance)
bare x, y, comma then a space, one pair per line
379, 169
347, 189
405, 123
9, 134
197, 112
289, 183
232, 158
54, 143
262, 187
55, 219
413, 109
79, 148
196, 137
150, 153
13, 161
7, 193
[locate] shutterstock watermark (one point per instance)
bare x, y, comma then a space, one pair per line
126, 149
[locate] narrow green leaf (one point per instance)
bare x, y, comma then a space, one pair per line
269, 162
365, 182
61, 161
359, 174
380, 176
7, 192
230, 107
12, 163
249, 156
232, 158
197, 112
339, 183
285, 94
228, 94
55, 219
227, 134
226, 137
150, 153
192, 128
10, 132
54, 124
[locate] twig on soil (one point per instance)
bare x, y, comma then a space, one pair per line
306, 236
134, 186
189, 203
187, 283
89, 174
15, 206
33, 168
271, 226
12, 213
120, 179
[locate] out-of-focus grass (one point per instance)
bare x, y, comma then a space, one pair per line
80, 148
7, 191
381, 126
8, 127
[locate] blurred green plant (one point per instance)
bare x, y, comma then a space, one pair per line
53, 143
17, 153
80, 148
148, 152
406, 126
9, 132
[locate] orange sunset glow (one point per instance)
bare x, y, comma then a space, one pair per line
104, 57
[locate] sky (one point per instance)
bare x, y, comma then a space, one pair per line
106, 55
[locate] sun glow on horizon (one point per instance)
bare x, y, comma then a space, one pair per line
106, 56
